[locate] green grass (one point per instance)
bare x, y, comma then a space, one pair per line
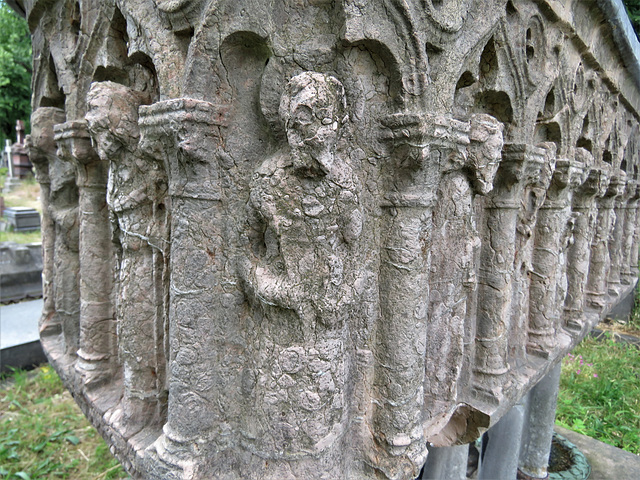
34, 236
600, 393
43, 433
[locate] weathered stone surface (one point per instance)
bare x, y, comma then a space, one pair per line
309, 238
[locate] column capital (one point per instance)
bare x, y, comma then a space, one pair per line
40, 142
74, 142
184, 134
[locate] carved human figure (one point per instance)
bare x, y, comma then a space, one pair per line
596, 181
42, 150
63, 207
509, 224
628, 271
600, 261
135, 194
537, 182
552, 236
304, 224
455, 248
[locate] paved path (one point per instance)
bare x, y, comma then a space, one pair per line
19, 323
19, 343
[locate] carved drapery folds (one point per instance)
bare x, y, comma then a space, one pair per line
308, 239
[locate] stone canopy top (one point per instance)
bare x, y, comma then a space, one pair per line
310, 238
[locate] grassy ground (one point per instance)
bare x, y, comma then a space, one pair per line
44, 435
600, 393
21, 237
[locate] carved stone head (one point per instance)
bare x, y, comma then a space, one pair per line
312, 109
485, 150
112, 117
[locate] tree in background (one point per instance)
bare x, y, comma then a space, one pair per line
633, 10
15, 72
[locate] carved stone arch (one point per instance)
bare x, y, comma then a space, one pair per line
60, 31
535, 49
584, 140
553, 123
407, 44
618, 139
550, 102
629, 163
182, 15
116, 63
245, 57
489, 81
382, 61
46, 85
608, 150
146, 34
582, 88
416, 72
111, 61
510, 80
513, 14
446, 15
373, 85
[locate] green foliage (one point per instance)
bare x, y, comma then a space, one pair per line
15, 72
633, 10
44, 434
600, 393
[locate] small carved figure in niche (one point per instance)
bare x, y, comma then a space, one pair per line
455, 232
305, 221
66, 259
136, 188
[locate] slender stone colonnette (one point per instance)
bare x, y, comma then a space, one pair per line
318, 238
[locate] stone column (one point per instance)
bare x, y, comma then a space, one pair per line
501, 446
617, 238
42, 150
629, 270
412, 177
538, 429
635, 243
446, 463
497, 259
596, 181
600, 261
98, 346
184, 134
544, 309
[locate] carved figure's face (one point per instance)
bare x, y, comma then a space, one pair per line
603, 183
562, 174
105, 142
311, 125
487, 155
310, 109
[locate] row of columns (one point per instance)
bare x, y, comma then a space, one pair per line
557, 235
564, 213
